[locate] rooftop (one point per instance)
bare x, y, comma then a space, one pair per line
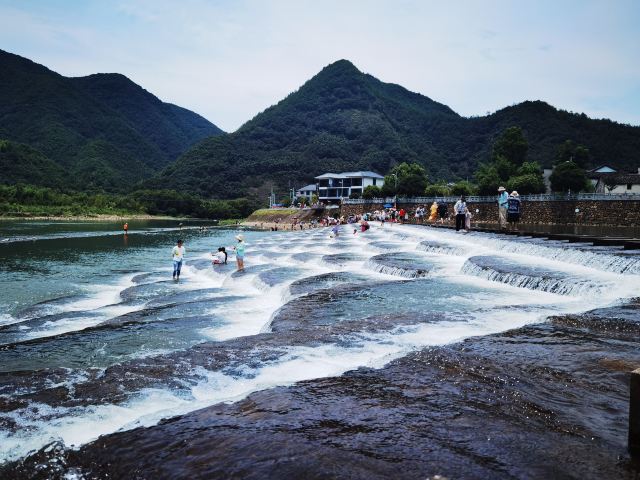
367, 174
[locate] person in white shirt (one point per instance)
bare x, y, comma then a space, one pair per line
220, 257
178, 255
460, 208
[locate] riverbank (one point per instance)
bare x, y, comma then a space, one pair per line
98, 217
281, 218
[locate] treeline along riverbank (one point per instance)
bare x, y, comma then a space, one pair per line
32, 201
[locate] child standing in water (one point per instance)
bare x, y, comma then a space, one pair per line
178, 255
239, 248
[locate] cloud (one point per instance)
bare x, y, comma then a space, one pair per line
228, 60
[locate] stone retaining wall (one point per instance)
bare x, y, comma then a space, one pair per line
590, 212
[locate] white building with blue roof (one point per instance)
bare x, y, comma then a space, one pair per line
336, 186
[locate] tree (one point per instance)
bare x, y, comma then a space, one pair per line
568, 176
564, 152
440, 189
528, 179
488, 179
512, 146
526, 184
406, 179
610, 182
463, 187
285, 201
371, 191
581, 156
569, 151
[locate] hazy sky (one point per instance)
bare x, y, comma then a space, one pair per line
229, 60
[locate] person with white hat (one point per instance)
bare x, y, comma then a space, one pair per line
503, 200
513, 210
239, 248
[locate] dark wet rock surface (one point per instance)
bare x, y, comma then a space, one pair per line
543, 401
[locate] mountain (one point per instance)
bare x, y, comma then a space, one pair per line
22, 164
102, 130
343, 119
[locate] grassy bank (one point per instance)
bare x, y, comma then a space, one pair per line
267, 217
26, 201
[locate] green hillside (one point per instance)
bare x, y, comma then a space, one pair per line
343, 119
104, 131
22, 164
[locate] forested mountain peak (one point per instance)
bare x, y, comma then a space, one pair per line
343, 119
103, 130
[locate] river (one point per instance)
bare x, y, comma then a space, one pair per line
402, 352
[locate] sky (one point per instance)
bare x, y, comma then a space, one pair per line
229, 60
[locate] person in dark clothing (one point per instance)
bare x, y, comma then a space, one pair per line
513, 210
442, 211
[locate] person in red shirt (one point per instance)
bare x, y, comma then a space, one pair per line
402, 212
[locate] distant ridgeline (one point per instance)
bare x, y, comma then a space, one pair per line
97, 132
345, 120
105, 132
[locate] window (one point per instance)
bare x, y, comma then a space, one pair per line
356, 182
374, 182
629, 185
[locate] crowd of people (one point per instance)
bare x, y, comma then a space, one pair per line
508, 217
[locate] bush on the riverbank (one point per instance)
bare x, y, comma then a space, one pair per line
28, 200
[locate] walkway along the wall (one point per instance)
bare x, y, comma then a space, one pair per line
567, 212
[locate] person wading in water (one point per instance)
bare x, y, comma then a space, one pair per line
239, 248
177, 254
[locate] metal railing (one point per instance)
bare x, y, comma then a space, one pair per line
552, 197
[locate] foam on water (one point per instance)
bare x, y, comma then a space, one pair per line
500, 305
76, 426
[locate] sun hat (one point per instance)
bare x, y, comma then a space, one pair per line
501, 189
515, 193
240, 237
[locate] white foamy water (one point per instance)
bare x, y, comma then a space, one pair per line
492, 301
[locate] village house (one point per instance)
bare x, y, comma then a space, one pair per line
335, 186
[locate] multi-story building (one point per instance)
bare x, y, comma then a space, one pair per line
335, 186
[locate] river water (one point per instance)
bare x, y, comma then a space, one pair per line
403, 351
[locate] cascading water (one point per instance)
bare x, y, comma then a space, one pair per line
123, 346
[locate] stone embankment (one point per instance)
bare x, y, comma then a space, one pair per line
562, 212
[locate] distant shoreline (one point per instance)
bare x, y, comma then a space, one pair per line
100, 217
